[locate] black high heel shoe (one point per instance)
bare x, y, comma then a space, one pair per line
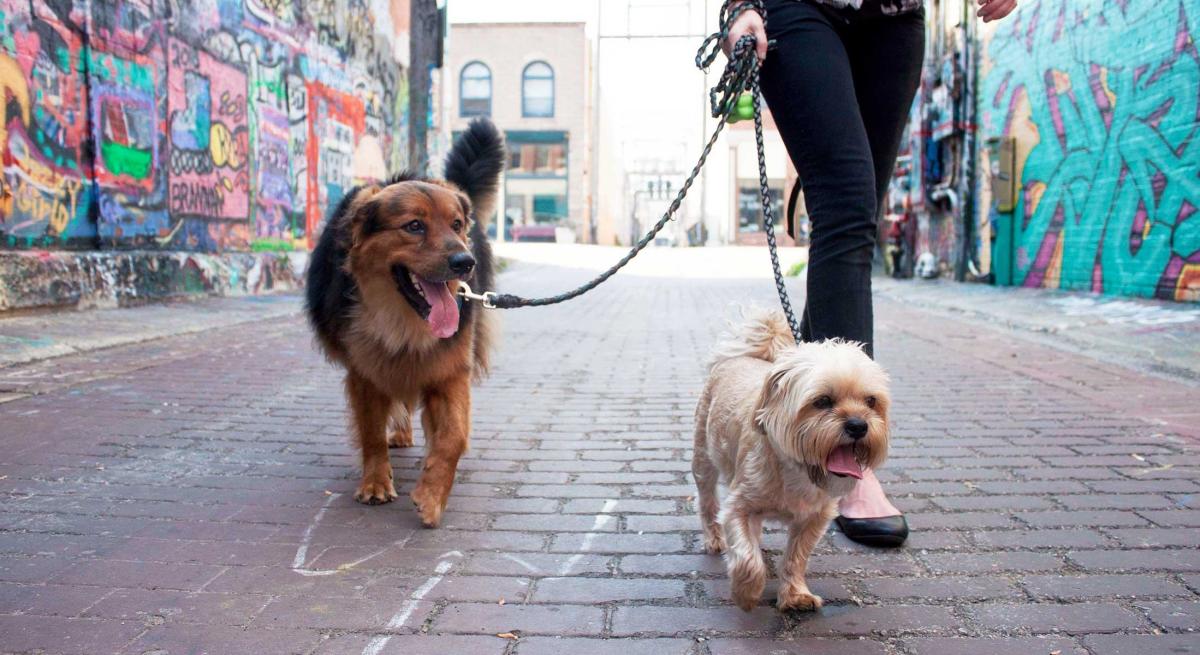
885, 532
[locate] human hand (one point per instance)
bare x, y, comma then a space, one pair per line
747, 22
990, 10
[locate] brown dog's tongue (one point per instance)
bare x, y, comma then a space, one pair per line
443, 312
842, 462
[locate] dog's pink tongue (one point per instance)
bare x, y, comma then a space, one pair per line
842, 462
443, 313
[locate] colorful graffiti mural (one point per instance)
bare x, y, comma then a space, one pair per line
125, 75
210, 177
45, 189
334, 122
188, 125
930, 195
1103, 99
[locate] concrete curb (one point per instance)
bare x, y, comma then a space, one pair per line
1150, 336
31, 338
83, 280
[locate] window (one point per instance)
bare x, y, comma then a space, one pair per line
750, 206
537, 90
535, 184
548, 208
540, 159
475, 90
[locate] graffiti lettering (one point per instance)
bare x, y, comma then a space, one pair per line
226, 149
1110, 179
232, 106
197, 198
191, 161
181, 55
57, 205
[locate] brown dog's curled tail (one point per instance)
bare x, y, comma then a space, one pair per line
759, 333
474, 164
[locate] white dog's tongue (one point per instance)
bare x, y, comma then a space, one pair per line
842, 462
443, 312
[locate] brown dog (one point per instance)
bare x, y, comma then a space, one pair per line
382, 299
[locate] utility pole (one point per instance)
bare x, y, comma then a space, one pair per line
594, 177
425, 55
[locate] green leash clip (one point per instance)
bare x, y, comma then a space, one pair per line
743, 110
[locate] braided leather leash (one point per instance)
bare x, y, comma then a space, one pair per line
740, 74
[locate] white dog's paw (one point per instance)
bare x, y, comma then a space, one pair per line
747, 579
714, 543
802, 600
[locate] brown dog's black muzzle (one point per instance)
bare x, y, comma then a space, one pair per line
461, 264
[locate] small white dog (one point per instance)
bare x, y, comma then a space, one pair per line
788, 428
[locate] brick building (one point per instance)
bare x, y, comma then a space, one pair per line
534, 81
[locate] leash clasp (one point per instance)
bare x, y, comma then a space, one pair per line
487, 298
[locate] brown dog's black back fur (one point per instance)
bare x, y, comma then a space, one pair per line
474, 165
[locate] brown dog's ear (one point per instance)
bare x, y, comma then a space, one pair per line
465, 202
364, 214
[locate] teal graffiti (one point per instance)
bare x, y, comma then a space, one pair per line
1112, 88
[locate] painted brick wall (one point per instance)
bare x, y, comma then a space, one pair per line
197, 125
1103, 98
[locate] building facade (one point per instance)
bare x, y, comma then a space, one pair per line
534, 80
745, 223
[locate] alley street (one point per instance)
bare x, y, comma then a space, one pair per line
193, 494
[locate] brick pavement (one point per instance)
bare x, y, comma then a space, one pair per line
193, 495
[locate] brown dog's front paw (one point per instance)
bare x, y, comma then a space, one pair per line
400, 438
429, 504
714, 544
797, 599
373, 492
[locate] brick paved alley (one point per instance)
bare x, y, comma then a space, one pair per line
193, 495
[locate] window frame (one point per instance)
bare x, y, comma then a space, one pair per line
462, 78
525, 79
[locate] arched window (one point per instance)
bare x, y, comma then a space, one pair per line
475, 90
537, 90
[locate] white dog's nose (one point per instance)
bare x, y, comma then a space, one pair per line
856, 428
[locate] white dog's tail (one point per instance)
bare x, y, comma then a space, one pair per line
759, 333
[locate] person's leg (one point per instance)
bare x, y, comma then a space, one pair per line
886, 53
808, 83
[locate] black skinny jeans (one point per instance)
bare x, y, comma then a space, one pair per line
840, 84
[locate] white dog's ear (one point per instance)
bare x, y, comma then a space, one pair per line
766, 399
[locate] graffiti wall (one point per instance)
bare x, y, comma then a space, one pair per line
199, 125
1103, 99
46, 190
930, 203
